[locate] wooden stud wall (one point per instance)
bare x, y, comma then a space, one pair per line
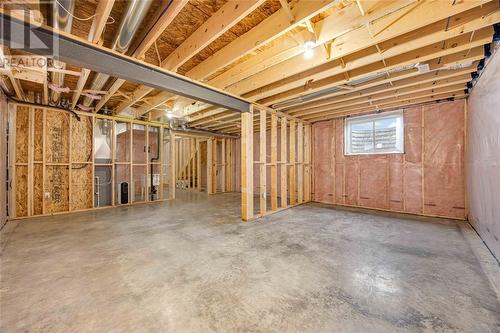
52, 161
219, 168
293, 184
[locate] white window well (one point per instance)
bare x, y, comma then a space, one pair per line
375, 134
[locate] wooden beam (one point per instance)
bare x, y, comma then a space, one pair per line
101, 17
373, 98
428, 91
247, 165
357, 40
159, 27
360, 7
215, 165
407, 78
220, 22
286, 7
274, 161
198, 164
210, 165
307, 163
283, 163
172, 162
394, 104
321, 77
156, 101
300, 162
345, 20
271, 28
402, 47
262, 163
154, 33
16, 85
292, 162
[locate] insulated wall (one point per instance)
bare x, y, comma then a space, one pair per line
3, 157
483, 158
428, 179
65, 162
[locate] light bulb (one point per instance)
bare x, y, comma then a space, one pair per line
170, 115
309, 49
308, 53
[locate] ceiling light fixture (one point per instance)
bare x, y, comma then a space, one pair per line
309, 49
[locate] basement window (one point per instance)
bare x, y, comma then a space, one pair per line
375, 134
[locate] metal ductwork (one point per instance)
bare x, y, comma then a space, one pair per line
135, 13
62, 20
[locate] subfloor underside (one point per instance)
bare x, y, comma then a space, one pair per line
191, 265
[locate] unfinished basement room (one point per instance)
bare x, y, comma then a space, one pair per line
250, 166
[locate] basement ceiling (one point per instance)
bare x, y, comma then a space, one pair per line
367, 55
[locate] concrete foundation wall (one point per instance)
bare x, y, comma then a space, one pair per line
483, 158
428, 179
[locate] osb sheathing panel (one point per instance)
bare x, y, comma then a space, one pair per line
21, 191
57, 185
243, 26
38, 189
81, 139
444, 159
57, 137
38, 137
22, 134
395, 181
81, 186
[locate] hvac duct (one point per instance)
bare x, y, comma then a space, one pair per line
135, 13
62, 20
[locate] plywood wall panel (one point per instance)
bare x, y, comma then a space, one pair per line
57, 137
38, 135
22, 134
21, 191
38, 189
81, 139
57, 185
81, 186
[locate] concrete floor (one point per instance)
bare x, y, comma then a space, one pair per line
191, 266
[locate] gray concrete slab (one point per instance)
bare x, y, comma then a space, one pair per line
192, 266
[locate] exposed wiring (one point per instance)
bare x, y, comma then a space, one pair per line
80, 18
43, 105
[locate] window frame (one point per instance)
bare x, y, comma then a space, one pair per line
400, 135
